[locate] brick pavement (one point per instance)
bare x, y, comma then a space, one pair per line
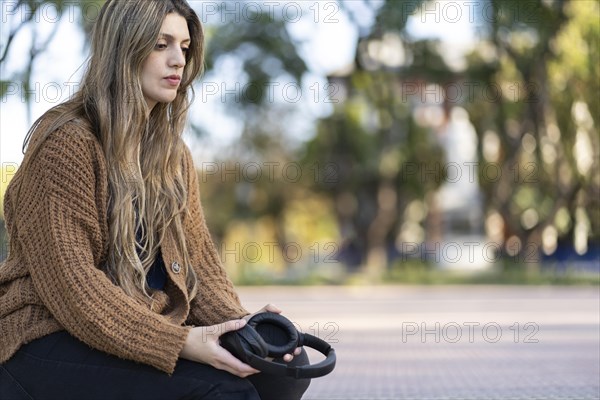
449, 342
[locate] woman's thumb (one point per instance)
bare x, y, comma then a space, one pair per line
232, 325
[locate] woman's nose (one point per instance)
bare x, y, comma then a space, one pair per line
177, 58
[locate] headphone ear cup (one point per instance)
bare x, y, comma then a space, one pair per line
253, 342
278, 332
243, 342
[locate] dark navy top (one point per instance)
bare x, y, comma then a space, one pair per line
157, 274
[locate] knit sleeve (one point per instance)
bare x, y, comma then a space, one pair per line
59, 230
216, 300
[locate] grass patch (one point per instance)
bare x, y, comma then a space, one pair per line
421, 273
503, 273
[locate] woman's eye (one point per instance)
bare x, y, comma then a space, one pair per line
185, 50
160, 46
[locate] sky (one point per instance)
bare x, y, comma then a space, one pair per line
327, 30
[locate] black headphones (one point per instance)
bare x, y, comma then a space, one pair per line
260, 338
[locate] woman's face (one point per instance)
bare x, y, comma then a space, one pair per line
162, 70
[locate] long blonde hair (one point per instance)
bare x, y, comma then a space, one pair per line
143, 151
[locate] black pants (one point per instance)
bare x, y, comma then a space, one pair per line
60, 367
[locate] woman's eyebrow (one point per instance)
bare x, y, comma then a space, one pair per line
171, 37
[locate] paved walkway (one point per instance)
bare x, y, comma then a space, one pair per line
449, 342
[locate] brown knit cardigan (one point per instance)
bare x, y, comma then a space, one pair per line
53, 278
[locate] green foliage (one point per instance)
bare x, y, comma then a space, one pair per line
392, 16
27, 14
506, 273
547, 61
543, 54
265, 51
4, 86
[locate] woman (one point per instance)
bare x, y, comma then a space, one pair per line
113, 288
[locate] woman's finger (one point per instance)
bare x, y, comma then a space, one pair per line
290, 357
233, 365
272, 308
269, 307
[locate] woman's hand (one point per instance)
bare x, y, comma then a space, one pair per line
272, 308
202, 345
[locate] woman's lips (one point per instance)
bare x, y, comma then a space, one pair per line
173, 80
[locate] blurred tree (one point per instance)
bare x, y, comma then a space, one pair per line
371, 146
28, 15
265, 54
266, 59
544, 58
25, 17
541, 58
